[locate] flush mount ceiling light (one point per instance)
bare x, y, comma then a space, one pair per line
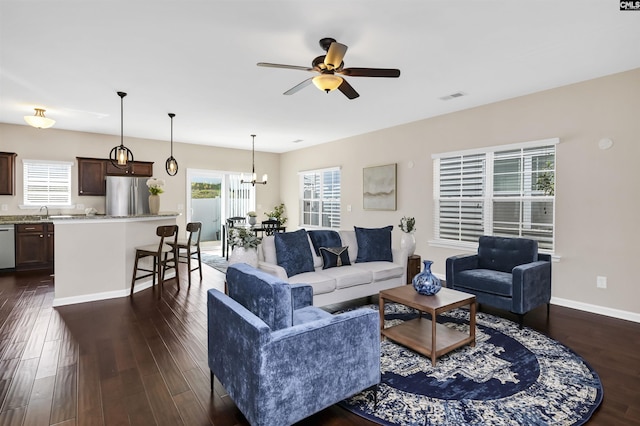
253, 180
38, 120
327, 82
120, 155
171, 166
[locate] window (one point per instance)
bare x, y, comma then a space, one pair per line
505, 191
47, 183
320, 198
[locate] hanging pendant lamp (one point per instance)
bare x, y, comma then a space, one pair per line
253, 180
171, 166
120, 155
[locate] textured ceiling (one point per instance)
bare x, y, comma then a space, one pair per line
198, 59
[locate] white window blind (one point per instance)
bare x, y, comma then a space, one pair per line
47, 183
499, 191
320, 198
241, 197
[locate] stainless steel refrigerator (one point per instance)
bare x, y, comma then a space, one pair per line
127, 196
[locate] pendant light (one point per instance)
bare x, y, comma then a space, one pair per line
38, 120
120, 155
253, 180
171, 166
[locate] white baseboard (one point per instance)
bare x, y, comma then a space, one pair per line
595, 309
93, 297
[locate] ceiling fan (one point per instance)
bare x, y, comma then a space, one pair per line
328, 66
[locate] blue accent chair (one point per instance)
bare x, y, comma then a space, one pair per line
506, 273
280, 358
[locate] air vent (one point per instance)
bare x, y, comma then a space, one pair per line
453, 96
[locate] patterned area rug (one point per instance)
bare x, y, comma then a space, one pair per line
216, 262
511, 377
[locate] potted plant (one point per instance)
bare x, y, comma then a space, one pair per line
252, 217
244, 243
155, 189
277, 213
408, 241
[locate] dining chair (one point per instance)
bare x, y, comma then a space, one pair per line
161, 260
231, 222
270, 227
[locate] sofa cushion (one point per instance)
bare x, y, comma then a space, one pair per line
504, 254
382, 270
333, 257
268, 246
324, 238
349, 276
349, 240
293, 252
374, 244
319, 281
486, 281
264, 295
309, 314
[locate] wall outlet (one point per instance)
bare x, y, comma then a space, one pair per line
601, 282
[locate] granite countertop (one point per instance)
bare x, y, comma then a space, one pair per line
13, 219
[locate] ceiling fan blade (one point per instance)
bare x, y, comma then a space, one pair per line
289, 67
347, 90
334, 56
370, 72
299, 86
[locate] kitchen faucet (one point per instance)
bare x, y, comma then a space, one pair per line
46, 209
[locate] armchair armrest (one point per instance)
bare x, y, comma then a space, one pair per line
301, 295
400, 257
273, 269
462, 262
531, 286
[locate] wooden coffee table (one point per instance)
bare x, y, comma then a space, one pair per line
423, 335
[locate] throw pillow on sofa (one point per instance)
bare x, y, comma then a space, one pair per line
333, 257
293, 252
374, 244
324, 238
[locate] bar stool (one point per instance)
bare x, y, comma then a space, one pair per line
161, 260
186, 249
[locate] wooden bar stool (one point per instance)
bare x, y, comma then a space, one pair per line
190, 247
161, 259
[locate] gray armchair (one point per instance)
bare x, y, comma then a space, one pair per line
280, 358
506, 273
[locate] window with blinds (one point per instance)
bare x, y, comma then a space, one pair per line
504, 191
240, 197
46, 183
320, 198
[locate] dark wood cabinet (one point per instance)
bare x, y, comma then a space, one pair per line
7, 173
92, 172
34, 246
413, 267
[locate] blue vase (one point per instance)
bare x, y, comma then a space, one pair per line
425, 282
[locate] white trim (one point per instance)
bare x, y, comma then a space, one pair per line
96, 297
473, 247
595, 309
325, 169
62, 163
519, 145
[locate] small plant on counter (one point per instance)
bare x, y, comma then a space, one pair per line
155, 186
407, 224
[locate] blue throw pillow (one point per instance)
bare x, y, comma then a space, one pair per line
333, 257
374, 244
293, 252
324, 238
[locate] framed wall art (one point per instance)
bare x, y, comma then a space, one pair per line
379, 187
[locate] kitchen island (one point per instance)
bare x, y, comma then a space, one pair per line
94, 255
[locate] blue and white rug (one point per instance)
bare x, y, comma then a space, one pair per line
511, 377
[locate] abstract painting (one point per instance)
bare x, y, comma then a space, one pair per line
379, 187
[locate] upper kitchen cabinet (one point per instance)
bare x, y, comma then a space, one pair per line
92, 171
7, 173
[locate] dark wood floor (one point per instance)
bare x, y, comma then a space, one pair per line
142, 361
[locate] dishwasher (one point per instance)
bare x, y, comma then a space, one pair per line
7, 247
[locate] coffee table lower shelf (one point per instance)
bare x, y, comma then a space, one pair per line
417, 334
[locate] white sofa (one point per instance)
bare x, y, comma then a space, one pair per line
342, 283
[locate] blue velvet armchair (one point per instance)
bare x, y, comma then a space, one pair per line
506, 273
280, 358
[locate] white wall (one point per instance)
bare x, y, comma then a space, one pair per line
597, 192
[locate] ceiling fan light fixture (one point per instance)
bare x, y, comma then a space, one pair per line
38, 120
327, 82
